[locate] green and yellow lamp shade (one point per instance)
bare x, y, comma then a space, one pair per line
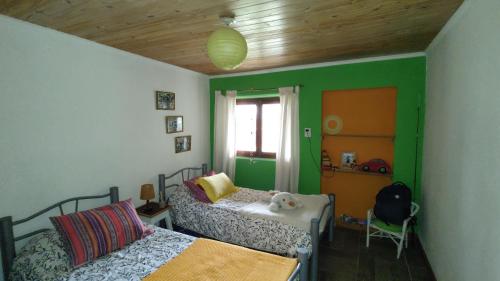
227, 48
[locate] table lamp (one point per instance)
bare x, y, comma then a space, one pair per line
147, 193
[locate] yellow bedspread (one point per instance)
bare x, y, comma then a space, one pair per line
209, 260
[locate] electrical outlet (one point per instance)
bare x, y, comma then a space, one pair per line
307, 132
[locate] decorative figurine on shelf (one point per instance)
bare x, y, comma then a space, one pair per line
376, 166
326, 162
348, 160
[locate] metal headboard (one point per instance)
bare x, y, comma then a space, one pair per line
8, 240
186, 173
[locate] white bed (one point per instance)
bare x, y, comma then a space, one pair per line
44, 256
242, 219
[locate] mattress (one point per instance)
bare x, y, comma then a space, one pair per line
226, 220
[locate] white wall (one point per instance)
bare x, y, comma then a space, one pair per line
77, 117
460, 227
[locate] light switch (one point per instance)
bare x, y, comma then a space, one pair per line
307, 132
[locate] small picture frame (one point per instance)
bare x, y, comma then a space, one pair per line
348, 160
175, 124
182, 144
165, 100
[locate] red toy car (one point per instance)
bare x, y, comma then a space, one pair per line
375, 165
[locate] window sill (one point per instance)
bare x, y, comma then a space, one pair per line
255, 158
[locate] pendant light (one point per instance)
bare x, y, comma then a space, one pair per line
227, 48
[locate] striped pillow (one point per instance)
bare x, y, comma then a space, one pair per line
90, 234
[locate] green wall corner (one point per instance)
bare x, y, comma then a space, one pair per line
406, 74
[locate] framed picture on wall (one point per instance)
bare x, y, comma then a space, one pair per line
165, 100
348, 160
182, 144
174, 124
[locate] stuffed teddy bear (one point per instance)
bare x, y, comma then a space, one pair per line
273, 192
284, 200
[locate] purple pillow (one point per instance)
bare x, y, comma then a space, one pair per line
196, 190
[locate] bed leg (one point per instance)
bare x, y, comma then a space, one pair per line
331, 226
7, 245
304, 263
315, 248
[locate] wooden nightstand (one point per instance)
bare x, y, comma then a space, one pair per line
155, 215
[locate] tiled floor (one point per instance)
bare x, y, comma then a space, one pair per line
348, 259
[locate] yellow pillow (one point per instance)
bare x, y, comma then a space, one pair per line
217, 186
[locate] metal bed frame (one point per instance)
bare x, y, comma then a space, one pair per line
189, 172
8, 240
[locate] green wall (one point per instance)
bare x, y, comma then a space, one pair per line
255, 173
407, 74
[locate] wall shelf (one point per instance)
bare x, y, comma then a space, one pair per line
367, 127
352, 171
360, 136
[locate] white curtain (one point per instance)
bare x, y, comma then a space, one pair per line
288, 154
225, 133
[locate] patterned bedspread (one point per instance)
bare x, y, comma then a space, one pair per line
223, 221
44, 259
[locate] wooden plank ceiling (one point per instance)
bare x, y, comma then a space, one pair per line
278, 33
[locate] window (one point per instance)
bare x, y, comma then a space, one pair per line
257, 127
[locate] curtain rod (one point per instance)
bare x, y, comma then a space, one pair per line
263, 89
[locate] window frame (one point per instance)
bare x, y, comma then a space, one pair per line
258, 135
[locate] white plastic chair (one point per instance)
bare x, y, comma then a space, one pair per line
397, 233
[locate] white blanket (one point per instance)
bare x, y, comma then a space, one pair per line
300, 217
